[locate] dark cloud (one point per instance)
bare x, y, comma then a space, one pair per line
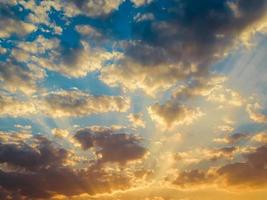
250, 173
192, 177
5, 194
111, 146
225, 152
47, 182
44, 155
183, 41
39, 170
236, 137
187, 31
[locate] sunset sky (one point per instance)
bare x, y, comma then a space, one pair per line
133, 99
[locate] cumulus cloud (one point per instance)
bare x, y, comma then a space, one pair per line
186, 42
111, 146
171, 113
225, 152
198, 87
260, 137
44, 155
143, 17
254, 115
15, 77
62, 103
13, 107
226, 97
39, 12
2, 50
141, 2
233, 138
91, 8
251, 173
182, 36
9, 27
79, 62
193, 177
75, 103
212, 88
60, 133
205, 155
35, 167
49, 182
71, 62
87, 30
132, 76
171, 43
136, 120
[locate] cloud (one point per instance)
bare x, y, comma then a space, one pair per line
22, 155
14, 137
60, 133
71, 62
136, 120
192, 177
39, 13
38, 168
15, 77
251, 173
225, 152
12, 107
226, 97
143, 17
75, 103
210, 87
199, 156
254, 115
87, 30
198, 87
233, 138
62, 103
141, 2
92, 8
184, 42
111, 146
183, 35
3, 50
9, 27
132, 75
260, 137
171, 114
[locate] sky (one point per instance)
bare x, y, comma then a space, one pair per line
133, 99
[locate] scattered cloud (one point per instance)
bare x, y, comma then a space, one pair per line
9, 27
